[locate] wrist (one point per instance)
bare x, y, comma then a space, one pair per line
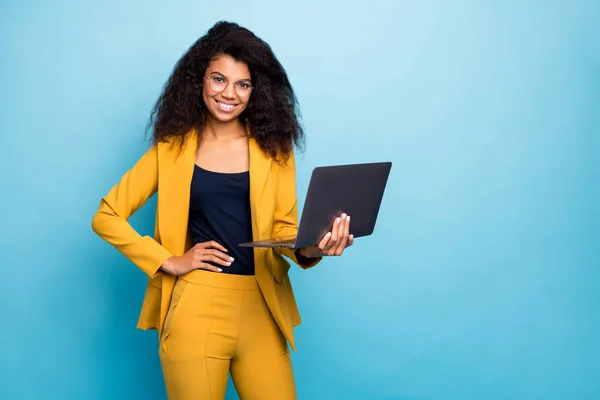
302, 252
167, 266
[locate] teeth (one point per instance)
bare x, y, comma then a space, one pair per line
226, 106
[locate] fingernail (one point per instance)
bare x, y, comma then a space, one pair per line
228, 264
337, 220
348, 218
219, 269
231, 259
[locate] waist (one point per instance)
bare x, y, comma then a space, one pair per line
221, 280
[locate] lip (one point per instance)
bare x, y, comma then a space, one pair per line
226, 110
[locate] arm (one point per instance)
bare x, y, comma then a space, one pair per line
285, 218
124, 199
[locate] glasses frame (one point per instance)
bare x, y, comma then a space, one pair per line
252, 87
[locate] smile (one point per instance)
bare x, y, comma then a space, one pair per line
226, 107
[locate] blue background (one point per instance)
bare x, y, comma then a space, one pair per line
482, 279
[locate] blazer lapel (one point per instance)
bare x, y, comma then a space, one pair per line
260, 165
174, 178
175, 169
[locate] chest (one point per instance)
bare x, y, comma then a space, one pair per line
231, 156
218, 190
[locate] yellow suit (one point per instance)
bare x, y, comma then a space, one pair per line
167, 169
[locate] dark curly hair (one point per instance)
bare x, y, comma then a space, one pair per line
272, 113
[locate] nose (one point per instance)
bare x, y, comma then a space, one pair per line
229, 92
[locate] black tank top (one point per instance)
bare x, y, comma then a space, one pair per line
220, 211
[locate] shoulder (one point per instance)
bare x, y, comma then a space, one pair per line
285, 161
174, 147
284, 166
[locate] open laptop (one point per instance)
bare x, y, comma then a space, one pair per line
354, 189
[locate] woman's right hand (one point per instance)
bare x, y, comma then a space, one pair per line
198, 257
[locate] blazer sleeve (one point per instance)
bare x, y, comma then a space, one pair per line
285, 218
123, 200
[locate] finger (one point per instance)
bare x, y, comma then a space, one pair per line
324, 241
217, 260
347, 227
209, 267
334, 234
211, 244
338, 235
344, 232
198, 252
350, 240
222, 256
217, 246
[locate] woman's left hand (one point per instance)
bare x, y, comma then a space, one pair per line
333, 243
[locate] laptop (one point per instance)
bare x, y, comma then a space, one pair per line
354, 189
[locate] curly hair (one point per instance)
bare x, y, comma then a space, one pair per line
272, 114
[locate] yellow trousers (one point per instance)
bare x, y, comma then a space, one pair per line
220, 324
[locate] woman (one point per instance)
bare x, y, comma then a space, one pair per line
222, 163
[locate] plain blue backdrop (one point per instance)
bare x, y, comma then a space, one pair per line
482, 278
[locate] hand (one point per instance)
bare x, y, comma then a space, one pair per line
334, 242
197, 258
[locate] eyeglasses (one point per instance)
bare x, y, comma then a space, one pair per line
219, 84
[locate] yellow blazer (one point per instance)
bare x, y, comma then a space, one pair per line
166, 170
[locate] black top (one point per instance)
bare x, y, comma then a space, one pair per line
220, 211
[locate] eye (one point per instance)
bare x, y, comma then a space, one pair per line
244, 85
218, 79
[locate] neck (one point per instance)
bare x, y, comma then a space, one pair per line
218, 130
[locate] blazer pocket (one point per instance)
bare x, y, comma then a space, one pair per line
280, 267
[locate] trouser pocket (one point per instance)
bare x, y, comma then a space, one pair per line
180, 293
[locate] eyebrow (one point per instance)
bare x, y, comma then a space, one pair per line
217, 72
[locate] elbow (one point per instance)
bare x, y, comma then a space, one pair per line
97, 223
100, 217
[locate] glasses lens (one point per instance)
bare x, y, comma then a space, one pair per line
217, 83
243, 89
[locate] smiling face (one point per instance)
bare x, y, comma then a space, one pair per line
226, 88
